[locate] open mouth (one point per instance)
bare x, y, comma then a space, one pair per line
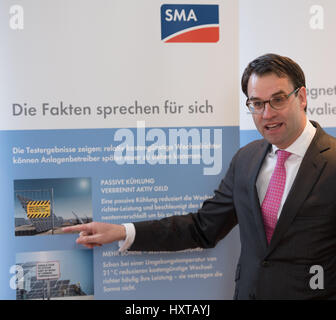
273, 126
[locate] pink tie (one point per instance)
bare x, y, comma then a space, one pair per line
271, 204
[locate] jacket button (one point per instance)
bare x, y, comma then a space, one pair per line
265, 263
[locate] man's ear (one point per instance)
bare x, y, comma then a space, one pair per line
302, 94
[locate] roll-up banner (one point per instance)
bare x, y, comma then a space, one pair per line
114, 111
302, 30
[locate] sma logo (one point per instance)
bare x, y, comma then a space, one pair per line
189, 23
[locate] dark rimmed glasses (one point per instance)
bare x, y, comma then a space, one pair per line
277, 102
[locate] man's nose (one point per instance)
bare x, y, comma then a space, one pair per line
269, 112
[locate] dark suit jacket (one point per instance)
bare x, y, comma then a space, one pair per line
305, 234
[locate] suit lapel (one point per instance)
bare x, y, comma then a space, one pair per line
309, 172
257, 161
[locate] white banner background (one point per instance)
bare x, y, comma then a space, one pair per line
110, 53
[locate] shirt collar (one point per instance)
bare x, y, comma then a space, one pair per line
301, 144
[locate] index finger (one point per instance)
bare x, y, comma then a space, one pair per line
77, 228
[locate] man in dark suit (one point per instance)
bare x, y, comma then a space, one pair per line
280, 191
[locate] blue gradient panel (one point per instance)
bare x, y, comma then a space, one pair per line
247, 136
331, 131
179, 179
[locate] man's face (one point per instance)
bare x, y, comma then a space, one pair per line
278, 127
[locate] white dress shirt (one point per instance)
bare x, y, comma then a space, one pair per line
130, 236
297, 149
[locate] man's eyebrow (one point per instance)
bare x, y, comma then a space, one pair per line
278, 92
274, 94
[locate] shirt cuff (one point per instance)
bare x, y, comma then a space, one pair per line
130, 236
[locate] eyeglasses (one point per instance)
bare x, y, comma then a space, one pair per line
278, 102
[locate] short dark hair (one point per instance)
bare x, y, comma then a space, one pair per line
274, 63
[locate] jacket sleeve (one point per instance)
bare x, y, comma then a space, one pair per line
202, 229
